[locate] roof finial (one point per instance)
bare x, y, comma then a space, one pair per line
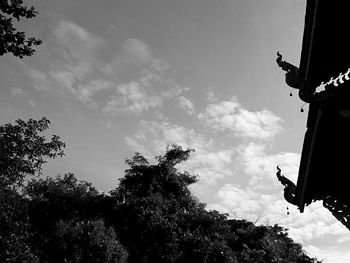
292, 72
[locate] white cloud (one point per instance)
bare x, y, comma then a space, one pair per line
157, 135
108, 124
64, 79
22, 94
149, 78
41, 81
240, 203
230, 115
137, 50
333, 255
186, 104
75, 68
211, 96
210, 163
76, 42
143, 94
78, 61
261, 167
257, 197
80, 67
315, 224
159, 65
85, 92
261, 199
16, 91
131, 98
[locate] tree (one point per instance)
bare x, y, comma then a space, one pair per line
66, 216
87, 241
262, 243
22, 153
11, 40
159, 220
152, 213
148, 200
205, 237
55, 199
23, 150
67, 222
15, 230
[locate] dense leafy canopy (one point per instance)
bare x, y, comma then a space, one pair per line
12, 40
161, 221
22, 153
151, 216
67, 219
23, 150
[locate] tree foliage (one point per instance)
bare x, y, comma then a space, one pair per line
87, 241
159, 220
15, 230
151, 199
67, 220
23, 150
22, 153
12, 40
151, 216
60, 198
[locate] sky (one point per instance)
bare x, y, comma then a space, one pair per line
126, 76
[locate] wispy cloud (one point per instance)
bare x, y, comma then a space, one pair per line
261, 166
232, 116
131, 98
76, 42
261, 199
16, 91
157, 135
210, 163
76, 69
137, 50
147, 92
40, 79
316, 223
335, 254
85, 92
71, 64
211, 96
187, 105
22, 94
221, 167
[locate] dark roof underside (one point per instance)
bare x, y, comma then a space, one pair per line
326, 43
325, 162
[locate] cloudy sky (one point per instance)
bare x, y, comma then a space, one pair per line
116, 77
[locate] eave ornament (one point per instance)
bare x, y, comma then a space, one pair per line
294, 80
289, 187
292, 72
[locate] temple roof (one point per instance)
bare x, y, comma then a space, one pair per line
323, 168
325, 48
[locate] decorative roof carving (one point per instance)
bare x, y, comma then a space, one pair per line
339, 208
292, 72
289, 187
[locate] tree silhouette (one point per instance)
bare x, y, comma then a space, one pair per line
159, 220
67, 222
23, 150
12, 40
151, 216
